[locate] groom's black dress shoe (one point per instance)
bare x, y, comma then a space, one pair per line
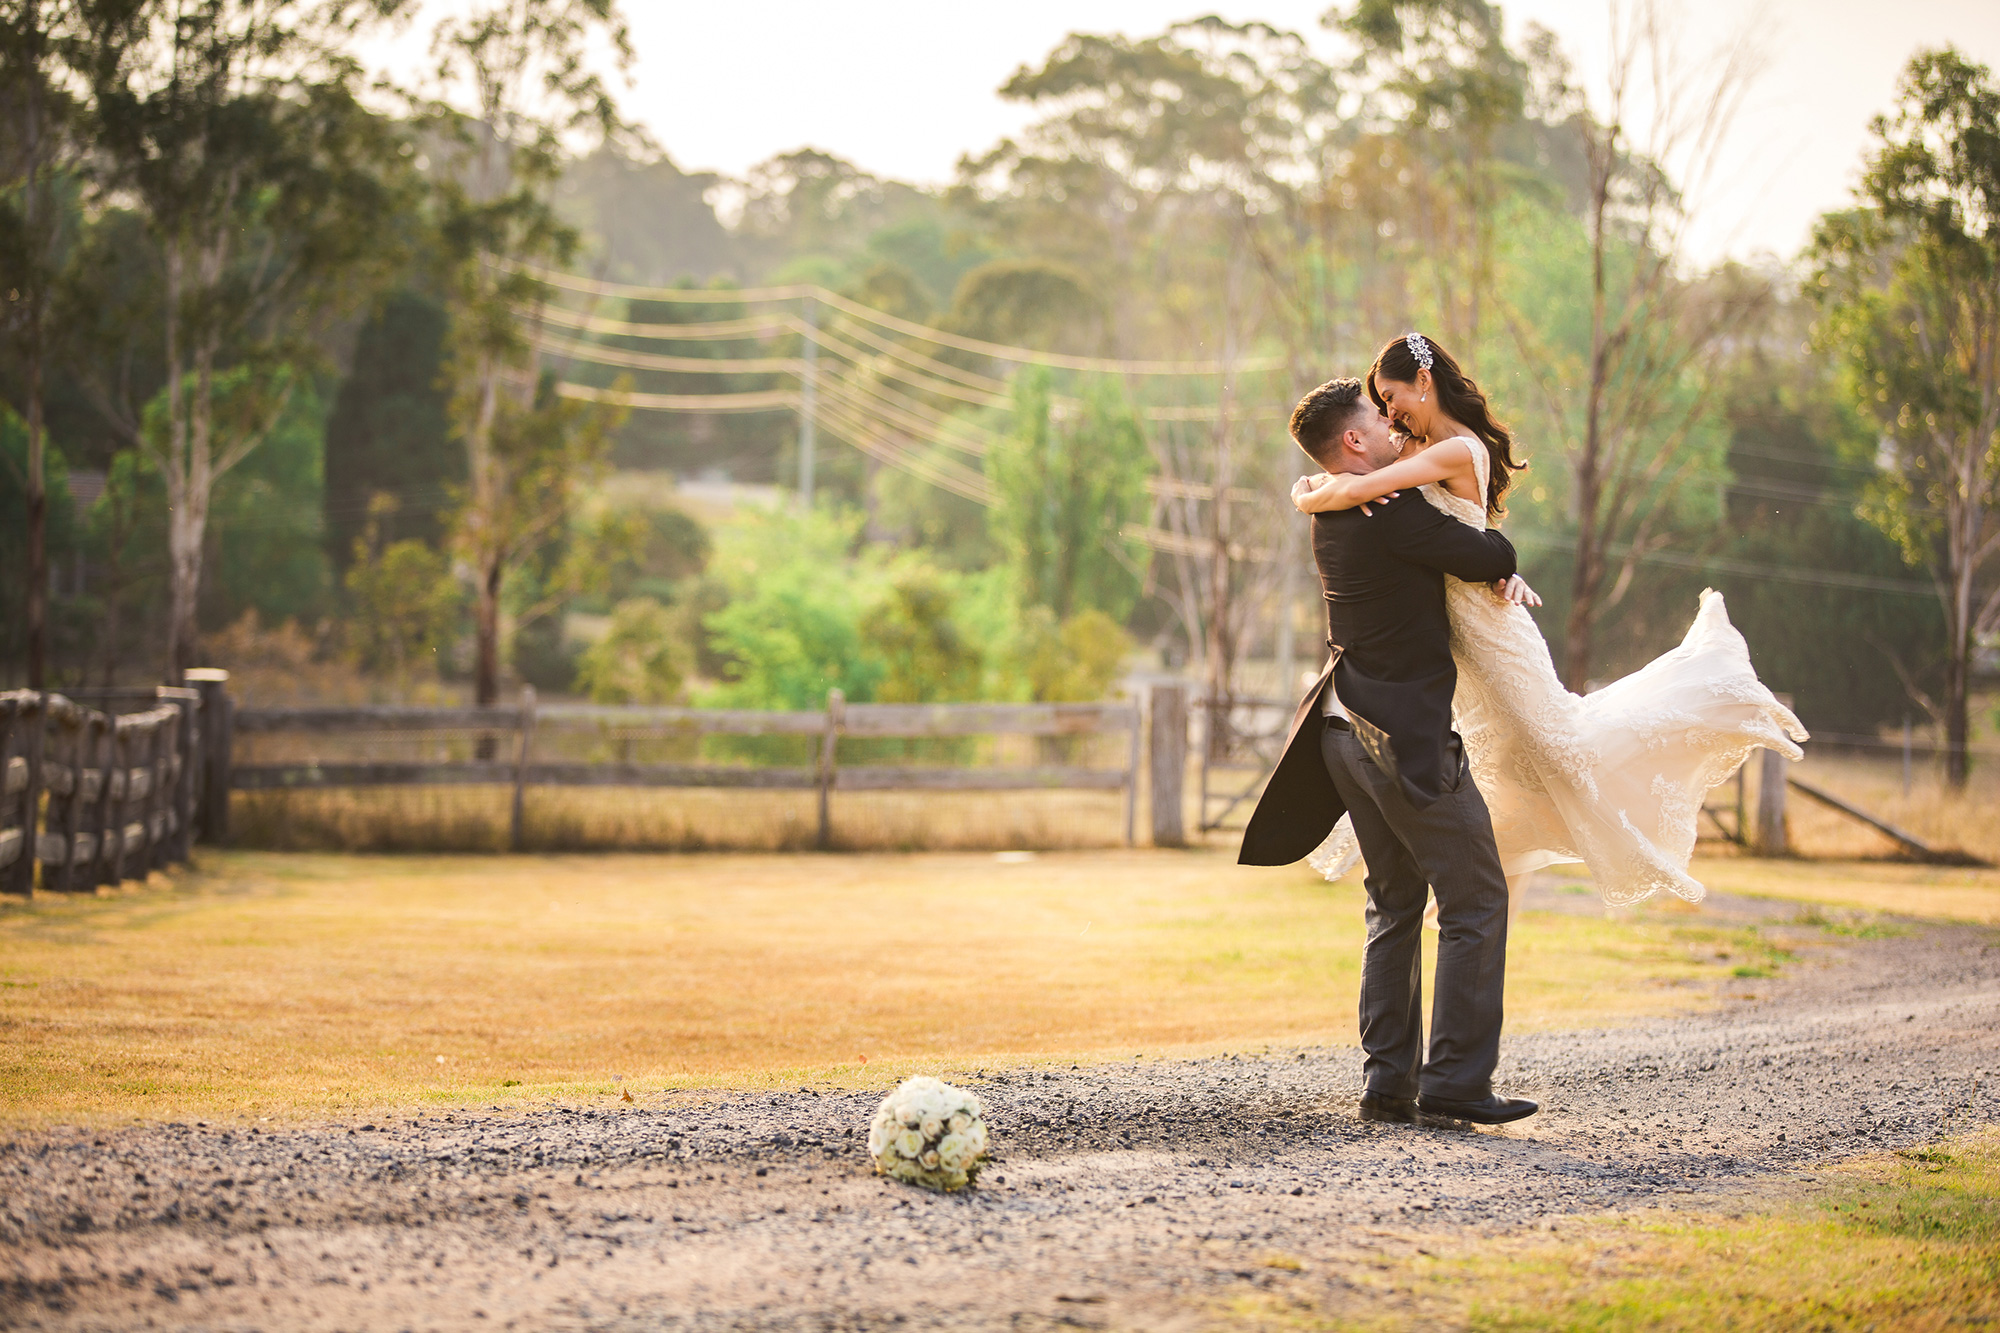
1389, 1110
1492, 1109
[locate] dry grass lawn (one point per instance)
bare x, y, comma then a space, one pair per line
288, 985
1908, 1241
1939, 892
1962, 819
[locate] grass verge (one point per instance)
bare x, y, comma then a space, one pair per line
1907, 1241
1939, 893
295, 985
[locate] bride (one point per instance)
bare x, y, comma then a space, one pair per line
1614, 779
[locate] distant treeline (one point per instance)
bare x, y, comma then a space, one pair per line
378, 454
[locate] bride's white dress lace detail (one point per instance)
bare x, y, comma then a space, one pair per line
1613, 779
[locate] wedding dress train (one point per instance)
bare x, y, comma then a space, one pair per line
1614, 779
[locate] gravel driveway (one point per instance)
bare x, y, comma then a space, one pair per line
1124, 1195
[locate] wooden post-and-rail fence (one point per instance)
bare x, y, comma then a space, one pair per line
516, 764
95, 795
98, 795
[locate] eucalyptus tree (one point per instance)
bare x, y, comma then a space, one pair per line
1067, 492
1145, 156
269, 196
1149, 168
1442, 86
1910, 285
1623, 397
515, 96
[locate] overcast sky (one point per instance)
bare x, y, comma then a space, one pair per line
903, 87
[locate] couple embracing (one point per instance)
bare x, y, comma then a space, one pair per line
1439, 744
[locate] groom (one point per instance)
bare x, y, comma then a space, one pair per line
1373, 738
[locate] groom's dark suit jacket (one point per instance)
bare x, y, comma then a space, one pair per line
1383, 578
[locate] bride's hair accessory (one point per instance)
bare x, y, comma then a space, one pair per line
1419, 348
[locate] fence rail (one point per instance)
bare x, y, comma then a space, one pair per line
518, 729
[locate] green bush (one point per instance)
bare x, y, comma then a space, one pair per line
638, 661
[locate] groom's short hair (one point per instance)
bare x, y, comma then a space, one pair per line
1321, 416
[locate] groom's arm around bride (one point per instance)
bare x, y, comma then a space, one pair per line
1391, 640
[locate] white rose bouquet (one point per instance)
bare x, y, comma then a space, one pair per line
929, 1133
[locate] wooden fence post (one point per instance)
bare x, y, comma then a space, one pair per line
836, 714
100, 745
35, 743
1169, 762
186, 773
1132, 772
218, 713
1773, 836
159, 763
117, 805
18, 715
77, 740
514, 831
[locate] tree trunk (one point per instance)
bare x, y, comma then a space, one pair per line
1956, 719
1962, 533
38, 514
487, 558
1587, 583
173, 470
38, 494
1220, 656
186, 524
486, 674
114, 591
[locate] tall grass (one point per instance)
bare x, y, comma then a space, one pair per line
1962, 820
567, 819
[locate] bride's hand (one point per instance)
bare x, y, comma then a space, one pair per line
1317, 494
1517, 591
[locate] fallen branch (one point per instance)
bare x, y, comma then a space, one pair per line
1910, 843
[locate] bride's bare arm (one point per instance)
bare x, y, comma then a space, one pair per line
1345, 490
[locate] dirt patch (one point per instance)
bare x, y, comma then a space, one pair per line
1125, 1194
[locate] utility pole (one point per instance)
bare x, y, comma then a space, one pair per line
808, 397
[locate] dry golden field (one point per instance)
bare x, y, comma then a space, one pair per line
269, 984
1966, 820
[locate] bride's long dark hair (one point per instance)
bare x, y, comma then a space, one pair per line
1461, 399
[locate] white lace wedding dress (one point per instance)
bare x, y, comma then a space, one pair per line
1614, 779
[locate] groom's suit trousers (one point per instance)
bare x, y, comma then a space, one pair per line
1447, 846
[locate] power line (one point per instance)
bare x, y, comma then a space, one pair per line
756, 326
1822, 578
975, 390
597, 354
769, 400
937, 337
